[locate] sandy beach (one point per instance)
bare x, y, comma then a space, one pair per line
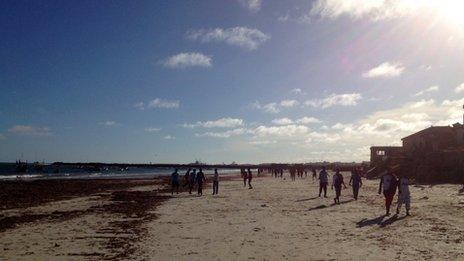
278, 219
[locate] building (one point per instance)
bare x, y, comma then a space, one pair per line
380, 154
432, 154
433, 139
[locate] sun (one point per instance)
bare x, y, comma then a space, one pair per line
451, 10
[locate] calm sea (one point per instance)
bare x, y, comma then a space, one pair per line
8, 172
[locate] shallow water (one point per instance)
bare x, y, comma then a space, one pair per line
7, 172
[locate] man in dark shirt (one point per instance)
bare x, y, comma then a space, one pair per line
175, 182
200, 179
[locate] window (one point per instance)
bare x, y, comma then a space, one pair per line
380, 153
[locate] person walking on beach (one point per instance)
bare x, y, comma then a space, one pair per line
281, 173
200, 179
175, 182
215, 182
250, 177
192, 179
186, 178
388, 183
355, 182
337, 182
314, 173
244, 176
404, 196
323, 181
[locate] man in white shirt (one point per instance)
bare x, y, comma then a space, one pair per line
404, 196
323, 181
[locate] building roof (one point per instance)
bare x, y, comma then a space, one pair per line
386, 147
435, 129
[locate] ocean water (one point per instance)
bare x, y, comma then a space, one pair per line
8, 172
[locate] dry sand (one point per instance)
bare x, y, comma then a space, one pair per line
281, 219
278, 219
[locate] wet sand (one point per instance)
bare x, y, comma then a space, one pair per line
76, 219
278, 219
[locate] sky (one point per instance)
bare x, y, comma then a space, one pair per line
246, 81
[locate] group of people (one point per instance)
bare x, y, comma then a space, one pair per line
295, 172
191, 179
389, 183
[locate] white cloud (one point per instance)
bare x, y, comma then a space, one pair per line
351, 140
188, 125
248, 38
426, 67
29, 130
296, 91
152, 129
108, 123
428, 90
372, 9
308, 120
422, 103
459, 88
269, 108
322, 137
169, 137
262, 142
165, 104
252, 5
353, 8
303, 121
282, 121
287, 131
274, 107
348, 99
140, 105
289, 103
385, 70
219, 123
224, 134
184, 60
416, 116
283, 18
411, 117
341, 126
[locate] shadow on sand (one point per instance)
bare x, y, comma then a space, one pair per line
342, 202
331, 205
306, 199
379, 221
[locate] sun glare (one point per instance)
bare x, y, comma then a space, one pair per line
452, 10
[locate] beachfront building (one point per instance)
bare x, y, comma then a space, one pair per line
433, 139
380, 154
432, 154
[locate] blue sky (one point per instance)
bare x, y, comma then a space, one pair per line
221, 81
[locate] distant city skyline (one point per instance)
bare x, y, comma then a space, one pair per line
246, 81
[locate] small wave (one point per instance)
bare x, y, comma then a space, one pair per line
25, 176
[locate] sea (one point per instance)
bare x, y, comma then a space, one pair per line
48, 171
